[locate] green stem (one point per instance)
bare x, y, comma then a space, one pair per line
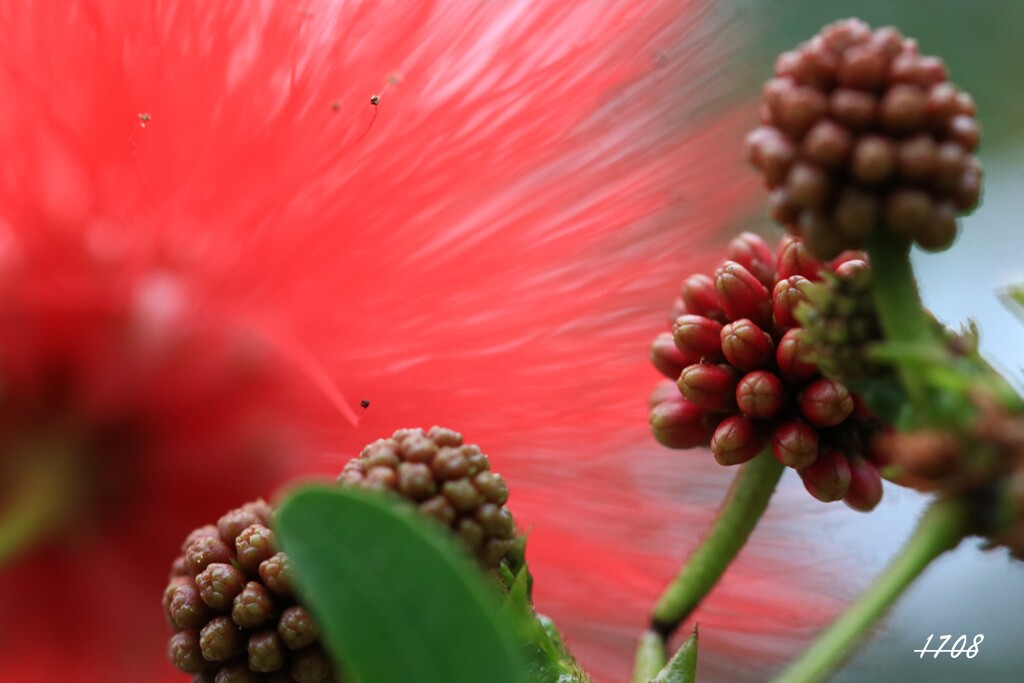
651, 657
941, 528
740, 512
900, 312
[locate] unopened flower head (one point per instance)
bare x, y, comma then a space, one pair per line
231, 603
449, 480
747, 378
861, 133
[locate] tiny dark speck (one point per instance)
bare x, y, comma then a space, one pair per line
375, 100
364, 403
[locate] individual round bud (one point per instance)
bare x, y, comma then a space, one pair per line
857, 213
186, 653
941, 231
253, 545
963, 130
903, 109
794, 259
795, 444
253, 607
297, 628
799, 108
828, 144
381, 479
221, 639
219, 584
451, 463
741, 294
917, 158
277, 574
863, 67
853, 108
266, 651
736, 440
909, 212
786, 296
760, 394
710, 386
416, 480
186, 608
826, 403
751, 252
701, 298
745, 345
204, 551
666, 357
865, 485
234, 521
808, 186
697, 337
828, 477
440, 509
462, 495
492, 486
793, 356
679, 423
874, 159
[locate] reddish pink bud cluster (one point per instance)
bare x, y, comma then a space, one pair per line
860, 131
230, 601
449, 480
745, 379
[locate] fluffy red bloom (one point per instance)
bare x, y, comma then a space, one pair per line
485, 243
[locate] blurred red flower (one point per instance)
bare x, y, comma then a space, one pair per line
488, 244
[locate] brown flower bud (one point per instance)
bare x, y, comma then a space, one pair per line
736, 440
795, 444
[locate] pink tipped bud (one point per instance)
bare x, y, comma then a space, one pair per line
678, 423
851, 267
794, 258
700, 297
826, 403
664, 390
855, 109
736, 440
865, 485
667, 358
746, 345
795, 444
792, 356
751, 252
787, 295
741, 294
760, 394
828, 477
828, 144
710, 386
697, 337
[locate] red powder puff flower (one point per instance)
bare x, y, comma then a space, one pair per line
459, 213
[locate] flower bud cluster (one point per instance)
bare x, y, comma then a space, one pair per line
985, 464
448, 480
230, 601
840, 321
859, 133
745, 377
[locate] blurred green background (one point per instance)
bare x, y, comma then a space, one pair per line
968, 591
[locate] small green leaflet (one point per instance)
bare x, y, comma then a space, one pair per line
683, 666
395, 598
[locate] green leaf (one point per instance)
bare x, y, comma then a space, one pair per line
548, 659
395, 598
683, 667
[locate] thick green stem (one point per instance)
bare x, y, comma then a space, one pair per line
941, 529
900, 312
651, 657
740, 512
